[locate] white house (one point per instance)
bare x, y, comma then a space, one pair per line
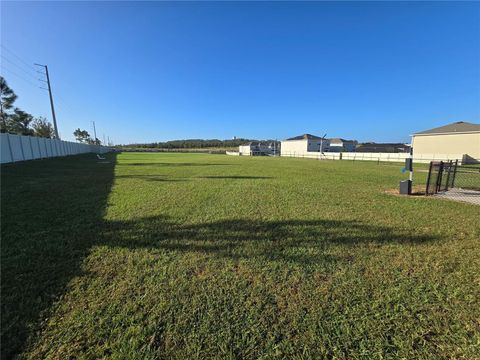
340, 145
255, 148
302, 144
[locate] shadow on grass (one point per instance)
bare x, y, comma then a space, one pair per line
160, 178
301, 241
174, 164
53, 214
234, 177
166, 178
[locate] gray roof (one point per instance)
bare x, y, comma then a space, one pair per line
456, 127
256, 143
251, 143
305, 137
338, 140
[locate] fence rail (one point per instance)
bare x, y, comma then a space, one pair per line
379, 157
21, 148
182, 150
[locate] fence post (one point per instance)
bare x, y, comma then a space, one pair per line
21, 147
439, 177
39, 148
454, 173
10, 146
448, 174
31, 147
428, 177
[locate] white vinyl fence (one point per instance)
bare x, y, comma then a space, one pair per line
20, 148
393, 157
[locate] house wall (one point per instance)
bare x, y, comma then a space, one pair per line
349, 147
254, 149
244, 150
346, 146
314, 145
335, 148
468, 144
291, 147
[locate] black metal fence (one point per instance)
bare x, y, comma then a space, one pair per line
441, 176
467, 177
449, 175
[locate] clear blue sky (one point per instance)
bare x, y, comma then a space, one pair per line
157, 71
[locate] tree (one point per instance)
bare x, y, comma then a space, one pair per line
7, 98
19, 122
42, 128
94, 142
82, 136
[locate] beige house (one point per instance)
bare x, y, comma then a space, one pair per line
300, 145
460, 140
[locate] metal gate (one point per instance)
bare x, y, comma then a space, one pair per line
441, 176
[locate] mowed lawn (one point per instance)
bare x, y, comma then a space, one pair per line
207, 256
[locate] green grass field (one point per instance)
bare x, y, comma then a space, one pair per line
207, 256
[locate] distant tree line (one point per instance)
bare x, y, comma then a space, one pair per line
16, 121
214, 143
195, 144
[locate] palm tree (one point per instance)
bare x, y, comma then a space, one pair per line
19, 122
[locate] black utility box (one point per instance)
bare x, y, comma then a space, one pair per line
406, 187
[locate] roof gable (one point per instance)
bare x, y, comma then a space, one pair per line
456, 127
305, 137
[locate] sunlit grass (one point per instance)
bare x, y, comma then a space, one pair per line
209, 256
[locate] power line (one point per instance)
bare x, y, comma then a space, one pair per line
59, 98
19, 58
19, 76
26, 65
18, 67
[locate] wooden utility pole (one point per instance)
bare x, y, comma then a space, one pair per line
55, 128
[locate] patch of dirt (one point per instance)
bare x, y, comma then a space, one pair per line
416, 191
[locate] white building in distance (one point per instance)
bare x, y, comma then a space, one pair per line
341, 145
302, 144
255, 149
